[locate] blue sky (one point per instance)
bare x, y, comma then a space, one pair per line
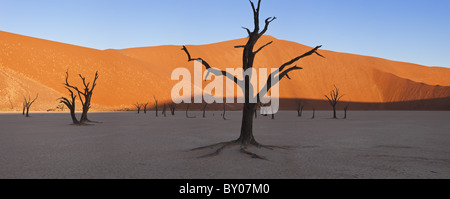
416, 31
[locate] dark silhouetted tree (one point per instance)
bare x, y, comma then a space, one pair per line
224, 111
172, 108
345, 110
314, 113
204, 109
164, 110
300, 107
145, 105
187, 111
333, 99
70, 103
138, 107
85, 94
246, 137
156, 105
27, 103
24, 107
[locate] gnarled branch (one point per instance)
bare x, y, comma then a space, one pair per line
265, 45
208, 67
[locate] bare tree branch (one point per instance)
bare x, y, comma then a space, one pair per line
208, 67
266, 27
263, 47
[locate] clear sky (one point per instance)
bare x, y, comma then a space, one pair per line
416, 31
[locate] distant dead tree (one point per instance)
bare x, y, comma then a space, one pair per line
24, 107
164, 110
145, 105
249, 53
70, 103
314, 113
300, 107
27, 104
345, 110
172, 108
85, 96
156, 105
224, 111
138, 107
204, 109
60, 107
333, 99
187, 110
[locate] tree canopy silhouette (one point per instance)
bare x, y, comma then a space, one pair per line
85, 96
333, 99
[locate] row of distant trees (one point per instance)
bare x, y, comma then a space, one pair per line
85, 96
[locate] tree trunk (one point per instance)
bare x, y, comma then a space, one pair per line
28, 109
314, 113
204, 110
74, 118
246, 136
84, 117
334, 112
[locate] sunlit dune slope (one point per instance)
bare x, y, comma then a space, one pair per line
29, 66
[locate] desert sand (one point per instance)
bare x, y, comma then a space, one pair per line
31, 65
370, 144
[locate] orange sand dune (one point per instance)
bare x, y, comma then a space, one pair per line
30, 65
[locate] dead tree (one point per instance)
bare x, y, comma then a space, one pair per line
164, 110
333, 99
145, 107
345, 110
172, 108
300, 108
246, 137
187, 110
24, 107
27, 103
156, 105
204, 110
314, 113
138, 107
70, 103
85, 94
224, 111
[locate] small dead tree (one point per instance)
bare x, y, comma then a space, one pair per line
204, 109
70, 103
27, 103
145, 107
164, 110
24, 107
156, 105
187, 110
345, 110
300, 107
333, 99
138, 107
224, 111
85, 94
172, 108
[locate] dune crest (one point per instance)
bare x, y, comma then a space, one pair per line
30, 65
